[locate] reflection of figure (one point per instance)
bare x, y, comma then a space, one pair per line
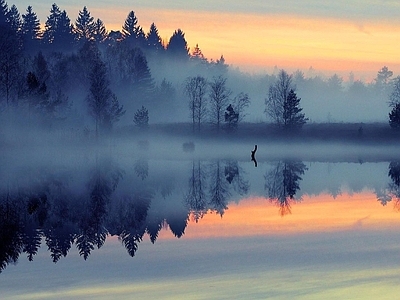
282, 183
253, 155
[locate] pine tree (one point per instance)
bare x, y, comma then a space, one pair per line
51, 25
394, 117
84, 26
197, 55
132, 32
65, 31
14, 20
103, 105
142, 80
58, 29
3, 13
30, 26
141, 118
292, 116
99, 31
153, 39
177, 46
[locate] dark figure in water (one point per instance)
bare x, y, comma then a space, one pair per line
253, 155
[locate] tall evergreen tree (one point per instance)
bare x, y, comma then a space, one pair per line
132, 32
394, 117
177, 46
10, 53
292, 116
99, 31
153, 39
30, 27
197, 55
14, 20
282, 104
3, 13
65, 37
142, 80
58, 30
51, 25
84, 26
103, 105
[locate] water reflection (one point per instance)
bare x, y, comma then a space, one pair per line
282, 183
66, 206
393, 190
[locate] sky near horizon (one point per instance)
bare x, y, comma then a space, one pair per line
257, 35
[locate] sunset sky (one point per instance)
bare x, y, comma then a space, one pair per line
330, 36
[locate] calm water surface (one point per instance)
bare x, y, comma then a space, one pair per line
104, 224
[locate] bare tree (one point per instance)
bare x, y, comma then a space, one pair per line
277, 96
283, 105
196, 89
219, 100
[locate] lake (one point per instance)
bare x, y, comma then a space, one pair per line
159, 220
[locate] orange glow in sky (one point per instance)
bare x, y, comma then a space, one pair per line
258, 216
260, 42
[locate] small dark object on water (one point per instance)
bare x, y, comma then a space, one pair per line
253, 155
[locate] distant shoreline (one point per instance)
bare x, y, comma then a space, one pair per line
378, 132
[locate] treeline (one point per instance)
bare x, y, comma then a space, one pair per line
68, 69
82, 76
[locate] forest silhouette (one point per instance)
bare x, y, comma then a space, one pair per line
78, 76
68, 207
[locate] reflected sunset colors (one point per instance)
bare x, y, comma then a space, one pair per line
323, 213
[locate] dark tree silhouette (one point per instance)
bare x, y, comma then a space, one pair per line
130, 217
84, 26
292, 117
15, 22
394, 117
394, 97
177, 47
103, 104
282, 183
394, 186
10, 58
58, 31
99, 32
11, 244
197, 55
141, 118
233, 174
154, 40
3, 14
282, 104
132, 32
30, 30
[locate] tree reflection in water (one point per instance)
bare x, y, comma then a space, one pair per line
210, 187
83, 206
394, 186
282, 183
